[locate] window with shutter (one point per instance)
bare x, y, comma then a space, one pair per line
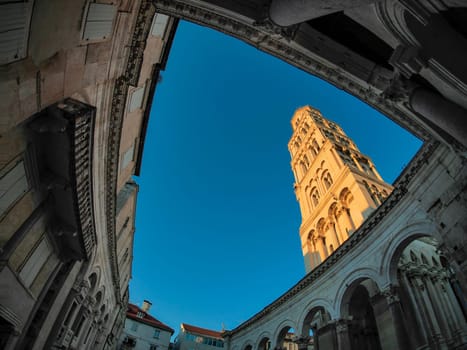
159, 24
99, 22
12, 186
15, 18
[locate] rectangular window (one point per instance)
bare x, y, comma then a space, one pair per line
153, 347
12, 186
134, 326
156, 334
159, 24
127, 156
99, 22
15, 18
35, 262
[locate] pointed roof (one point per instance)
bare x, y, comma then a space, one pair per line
201, 331
134, 312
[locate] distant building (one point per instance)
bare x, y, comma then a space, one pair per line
197, 338
143, 331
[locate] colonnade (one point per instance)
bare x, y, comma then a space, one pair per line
418, 310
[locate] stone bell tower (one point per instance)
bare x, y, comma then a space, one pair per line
336, 185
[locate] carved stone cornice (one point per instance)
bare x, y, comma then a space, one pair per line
132, 71
138, 42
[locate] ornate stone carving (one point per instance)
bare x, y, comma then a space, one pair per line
391, 295
342, 326
133, 67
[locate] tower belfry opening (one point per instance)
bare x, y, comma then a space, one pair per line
336, 185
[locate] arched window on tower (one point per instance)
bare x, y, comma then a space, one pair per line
306, 161
303, 167
327, 179
315, 196
315, 147
371, 193
375, 195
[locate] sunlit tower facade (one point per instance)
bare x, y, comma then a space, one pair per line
336, 185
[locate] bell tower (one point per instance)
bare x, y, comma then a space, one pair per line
336, 185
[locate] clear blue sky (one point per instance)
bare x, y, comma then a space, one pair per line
217, 220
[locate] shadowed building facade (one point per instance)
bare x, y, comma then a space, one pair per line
76, 83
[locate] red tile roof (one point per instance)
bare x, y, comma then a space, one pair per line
132, 313
201, 331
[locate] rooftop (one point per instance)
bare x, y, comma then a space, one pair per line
134, 311
201, 331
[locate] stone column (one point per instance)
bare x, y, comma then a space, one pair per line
435, 333
454, 304
352, 224
440, 311
418, 321
339, 228
445, 114
398, 320
342, 331
336, 235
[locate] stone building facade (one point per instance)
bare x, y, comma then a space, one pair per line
143, 331
76, 83
336, 186
196, 338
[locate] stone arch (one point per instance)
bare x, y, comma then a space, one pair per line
102, 308
312, 307
98, 297
314, 195
400, 240
355, 277
93, 279
332, 211
281, 331
427, 296
264, 341
326, 179
357, 305
345, 196
321, 226
248, 345
315, 147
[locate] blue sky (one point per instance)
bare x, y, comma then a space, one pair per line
217, 220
